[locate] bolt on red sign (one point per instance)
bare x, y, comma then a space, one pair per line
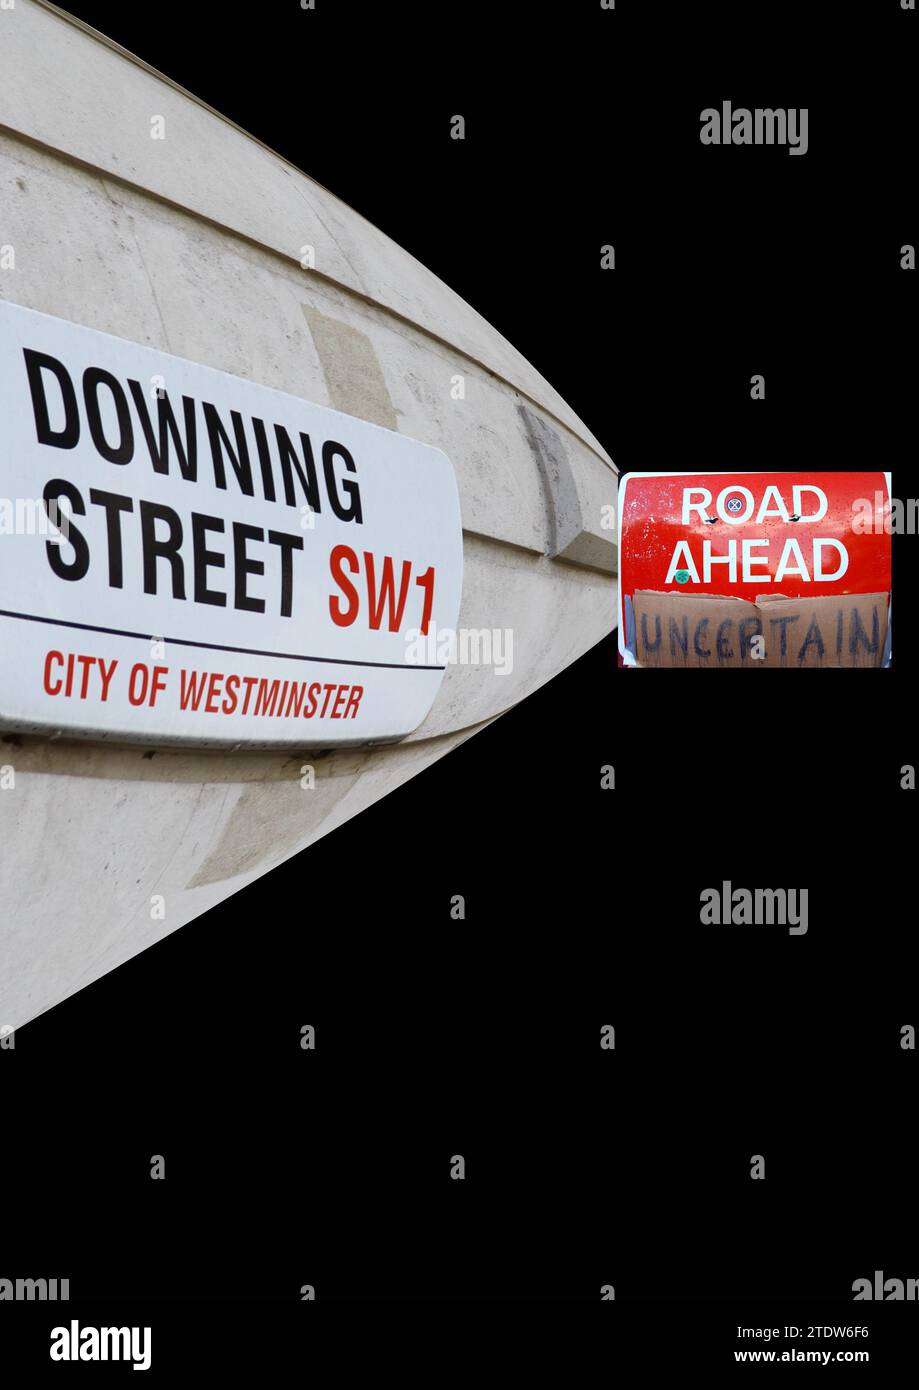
816, 544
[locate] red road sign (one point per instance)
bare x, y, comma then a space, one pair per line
802, 534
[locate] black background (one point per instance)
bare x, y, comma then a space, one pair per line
584, 1167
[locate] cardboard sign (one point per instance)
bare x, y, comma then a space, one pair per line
186, 556
771, 631
720, 548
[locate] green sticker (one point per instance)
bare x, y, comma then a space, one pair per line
682, 576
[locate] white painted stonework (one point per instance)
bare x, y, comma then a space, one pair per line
195, 246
